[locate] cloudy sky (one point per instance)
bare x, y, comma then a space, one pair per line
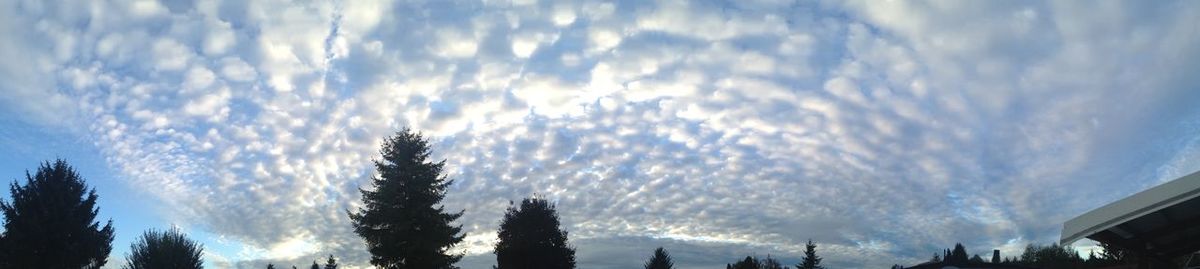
882, 130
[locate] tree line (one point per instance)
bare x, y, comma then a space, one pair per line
1036, 256
50, 222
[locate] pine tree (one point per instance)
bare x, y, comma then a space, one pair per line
530, 237
976, 259
169, 249
50, 222
660, 260
314, 266
331, 263
811, 260
401, 219
958, 255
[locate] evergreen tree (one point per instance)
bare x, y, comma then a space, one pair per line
958, 255
169, 249
747, 263
660, 260
530, 237
50, 222
811, 260
976, 259
314, 266
401, 219
1113, 255
331, 263
936, 258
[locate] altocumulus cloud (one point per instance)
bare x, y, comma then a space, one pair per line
883, 130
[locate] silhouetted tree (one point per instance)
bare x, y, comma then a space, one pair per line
1113, 255
660, 260
771, 263
1052, 256
897, 266
747, 263
270, 266
936, 258
169, 249
811, 260
314, 266
50, 222
530, 237
401, 219
331, 263
958, 255
976, 259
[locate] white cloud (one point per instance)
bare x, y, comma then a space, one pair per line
725, 128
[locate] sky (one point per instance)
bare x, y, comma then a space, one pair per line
884, 131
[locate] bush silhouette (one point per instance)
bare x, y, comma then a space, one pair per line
530, 237
165, 249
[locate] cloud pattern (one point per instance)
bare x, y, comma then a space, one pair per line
883, 130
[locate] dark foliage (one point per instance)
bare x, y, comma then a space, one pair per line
50, 222
1051, 256
755, 263
958, 255
771, 263
314, 266
270, 266
810, 260
401, 219
331, 263
169, 249
747, 263
530, 237
660, 260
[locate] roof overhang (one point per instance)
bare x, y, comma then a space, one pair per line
1163, 221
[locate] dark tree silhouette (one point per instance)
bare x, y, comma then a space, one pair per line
401, 219
811, 260
958, 255
1052, 256
270, 266
331, 263
165, 249
771, 263
660, 260
747, 263
314, 266
50, 222
976, 259
530, 237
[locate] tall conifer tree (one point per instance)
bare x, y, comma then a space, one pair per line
660, 260
811, 260
402, 220
50, 222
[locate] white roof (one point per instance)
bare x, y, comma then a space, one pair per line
1133, 207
